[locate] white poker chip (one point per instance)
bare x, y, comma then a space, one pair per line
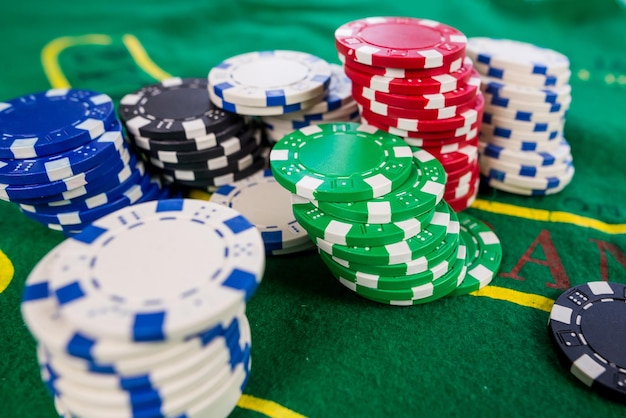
160, 270
516, 55
270, 78
267, 205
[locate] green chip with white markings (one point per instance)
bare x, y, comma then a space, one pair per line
340, 162
484, 254
398, 252
422, 190
423, 293
402, 282
441, 252
338, 231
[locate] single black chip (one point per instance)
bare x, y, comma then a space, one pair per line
588, 328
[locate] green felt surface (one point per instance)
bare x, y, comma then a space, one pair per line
318, 349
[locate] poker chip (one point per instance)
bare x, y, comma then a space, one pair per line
522, 148
206, 142
453, 67
419, 193
243, 109
484, 254
52, 122
517, 56
339, 231
186, 139
367, 163
172, 109
270, 78
407, 83
411, 86
463, 94
587, 333
422, 293
268, 206
400, 42
398, 252
187, 343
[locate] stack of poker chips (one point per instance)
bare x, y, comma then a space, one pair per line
268, 206
166, 338
337, 106
527, 95
411, 78
375, 209
186, 139
64, 161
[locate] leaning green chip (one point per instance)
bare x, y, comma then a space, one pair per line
340, 162
484, 254
441, 252
398, 252
338, 231
422, 190
376, 281
427, 292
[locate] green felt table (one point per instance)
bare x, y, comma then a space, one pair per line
318, 349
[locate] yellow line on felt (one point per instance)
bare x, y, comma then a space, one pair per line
269, 408
141, 58
50, 56
515, 296
6, 271
548, 216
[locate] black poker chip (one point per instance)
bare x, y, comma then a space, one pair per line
175, 108
588, 329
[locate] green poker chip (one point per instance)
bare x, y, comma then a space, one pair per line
424, 293
441, 252
422, 190
402, 282
484, 254
340, 162
338, 231
398, 252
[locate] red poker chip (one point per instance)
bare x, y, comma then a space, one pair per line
465, 119
456, 175
467, 178
405, 72
400, 42
456, 160
444, 83
466, 201
461, 134
412, 113
461, 95
444, 148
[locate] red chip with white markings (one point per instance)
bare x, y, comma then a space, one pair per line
400, 42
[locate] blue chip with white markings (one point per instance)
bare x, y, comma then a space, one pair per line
100, 173
206, 260
52, 122
63, 165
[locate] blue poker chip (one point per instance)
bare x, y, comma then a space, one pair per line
82, 203
203, 251
115, 175
507, 103
263, 111
41, 190
77, 220
543, 158
510, 133
53, 122
339, 93
64, 165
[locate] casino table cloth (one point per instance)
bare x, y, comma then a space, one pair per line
320, 350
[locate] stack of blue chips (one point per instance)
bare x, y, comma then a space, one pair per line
64, 161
